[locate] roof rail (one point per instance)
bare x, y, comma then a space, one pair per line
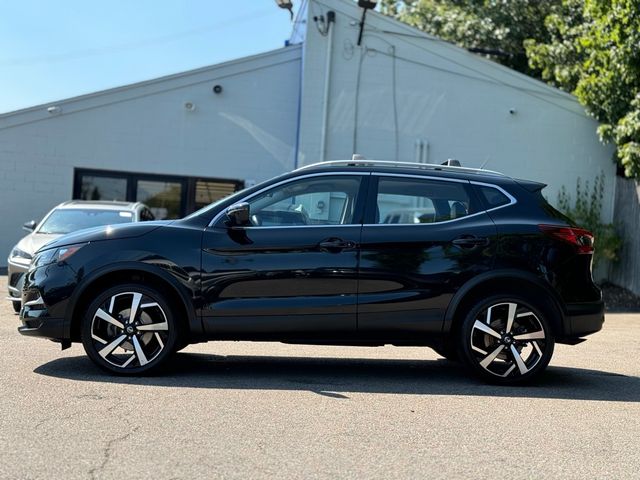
387, 163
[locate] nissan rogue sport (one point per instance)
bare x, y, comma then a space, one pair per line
493, 277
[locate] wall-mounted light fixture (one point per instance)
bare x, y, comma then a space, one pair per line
217, 89
365, 5
190, 106
287, 5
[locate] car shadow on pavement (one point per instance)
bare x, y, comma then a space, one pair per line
338, 377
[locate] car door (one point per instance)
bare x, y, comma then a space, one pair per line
293, 268
409, 270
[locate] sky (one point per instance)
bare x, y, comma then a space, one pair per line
51, 50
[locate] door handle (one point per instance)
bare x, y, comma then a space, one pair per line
470, 241
336, 244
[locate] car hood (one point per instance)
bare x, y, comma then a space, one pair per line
108, 232
34, 241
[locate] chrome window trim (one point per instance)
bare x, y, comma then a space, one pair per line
512, 200
290, 180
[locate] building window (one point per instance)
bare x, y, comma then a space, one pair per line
103, 188
163, 198
166, 196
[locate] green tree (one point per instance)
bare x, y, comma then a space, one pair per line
594, 52
495, 28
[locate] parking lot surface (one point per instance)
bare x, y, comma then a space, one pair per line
258, 410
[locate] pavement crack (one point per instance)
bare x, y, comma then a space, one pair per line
107, 452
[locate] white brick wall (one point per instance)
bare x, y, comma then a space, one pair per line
246, 132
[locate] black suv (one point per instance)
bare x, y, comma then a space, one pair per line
472, 263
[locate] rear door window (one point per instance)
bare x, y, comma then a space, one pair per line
401, 200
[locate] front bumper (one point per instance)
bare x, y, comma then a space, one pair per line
45, 297
36, 320
584, 318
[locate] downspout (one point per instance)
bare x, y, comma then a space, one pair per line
331, 18
296, 153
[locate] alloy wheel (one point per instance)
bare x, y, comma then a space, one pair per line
129, 330
508, 340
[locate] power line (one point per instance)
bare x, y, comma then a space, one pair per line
96, 51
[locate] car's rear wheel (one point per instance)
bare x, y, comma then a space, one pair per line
506, 339
129, 330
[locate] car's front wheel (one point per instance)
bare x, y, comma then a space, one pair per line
506, 339
129, 329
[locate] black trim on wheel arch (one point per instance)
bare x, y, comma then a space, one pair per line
195, 324
496, 275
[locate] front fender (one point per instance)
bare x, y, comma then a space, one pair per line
187, 289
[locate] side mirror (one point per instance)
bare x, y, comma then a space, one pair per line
238, 214
30, 226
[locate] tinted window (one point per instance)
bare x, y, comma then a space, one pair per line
493, 197
326, 200
164, 198
414, 201
146, 215
103, 188
66, 220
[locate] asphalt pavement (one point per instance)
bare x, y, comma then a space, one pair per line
261, 410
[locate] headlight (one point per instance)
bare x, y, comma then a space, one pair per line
17, 253
55, 255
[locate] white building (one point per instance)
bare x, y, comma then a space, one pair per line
181, 141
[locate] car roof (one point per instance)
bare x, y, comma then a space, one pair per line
101, 205
407, 168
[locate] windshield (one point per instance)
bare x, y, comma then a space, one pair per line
67, 220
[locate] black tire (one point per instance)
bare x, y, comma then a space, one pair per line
488, 347
16, 306
142, 344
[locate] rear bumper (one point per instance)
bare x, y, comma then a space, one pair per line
584, 318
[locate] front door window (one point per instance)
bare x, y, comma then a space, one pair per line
327, 200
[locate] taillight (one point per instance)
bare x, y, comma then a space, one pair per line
579, 237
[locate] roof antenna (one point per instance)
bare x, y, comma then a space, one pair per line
484, 163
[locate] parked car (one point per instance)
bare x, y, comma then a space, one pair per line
65, 218
495, 281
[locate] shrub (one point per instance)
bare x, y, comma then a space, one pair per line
586, 211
